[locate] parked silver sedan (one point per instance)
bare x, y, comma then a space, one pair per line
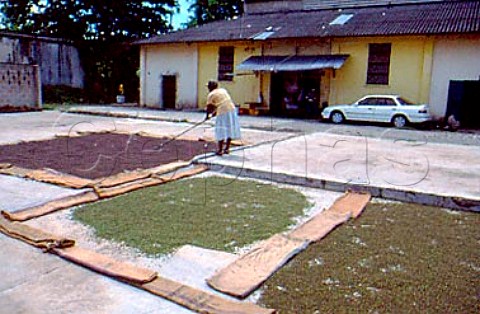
379, 108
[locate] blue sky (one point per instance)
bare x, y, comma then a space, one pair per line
181, 17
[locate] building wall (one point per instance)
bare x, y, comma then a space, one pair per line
20, 85
410, 69
420, 69
59, 62
245, 87
180, 60
454, 58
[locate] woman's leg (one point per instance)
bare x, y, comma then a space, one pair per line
220, 148
227, 146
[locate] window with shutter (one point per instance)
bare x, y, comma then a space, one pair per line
378, 63
225, 63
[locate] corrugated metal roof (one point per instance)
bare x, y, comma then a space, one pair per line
292, 63
407, 19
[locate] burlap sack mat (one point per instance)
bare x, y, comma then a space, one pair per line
15, 171
106, 265
248, 272
319, 226
5, 165
152, 181
52, 206
59, 178
352, 203
200, 301
48, 176
191, 298
129, 176
33, 236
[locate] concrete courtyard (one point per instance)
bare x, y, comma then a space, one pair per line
429, 167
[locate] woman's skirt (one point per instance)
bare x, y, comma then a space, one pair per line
227, 126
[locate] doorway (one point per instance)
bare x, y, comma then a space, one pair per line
295, 94
169, 91
463, 103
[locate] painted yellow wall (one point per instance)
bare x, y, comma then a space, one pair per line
245, 86
410, 69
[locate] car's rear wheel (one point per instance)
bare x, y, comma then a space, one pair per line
337, 117
399, 121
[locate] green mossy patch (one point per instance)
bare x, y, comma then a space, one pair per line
213, 212
395, 258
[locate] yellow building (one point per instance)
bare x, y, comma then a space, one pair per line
292, 58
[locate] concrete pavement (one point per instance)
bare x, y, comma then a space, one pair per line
35, 282
416, 165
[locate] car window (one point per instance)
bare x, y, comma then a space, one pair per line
363, 102
404, 102
389, 102
368, 102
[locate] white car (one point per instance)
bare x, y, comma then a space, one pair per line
379, 108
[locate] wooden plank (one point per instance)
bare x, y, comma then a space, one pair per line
319, 226
248, 272
200, 301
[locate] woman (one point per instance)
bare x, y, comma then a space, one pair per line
227, 126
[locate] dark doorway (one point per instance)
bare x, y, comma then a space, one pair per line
169, 91
463, 103
295, 94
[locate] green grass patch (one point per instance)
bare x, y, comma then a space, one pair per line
213, 212
57, 106
396, 258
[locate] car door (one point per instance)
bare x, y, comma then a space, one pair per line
386, 107
365, 109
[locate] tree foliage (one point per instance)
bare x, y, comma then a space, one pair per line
205, 11
101, 29
99, 20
